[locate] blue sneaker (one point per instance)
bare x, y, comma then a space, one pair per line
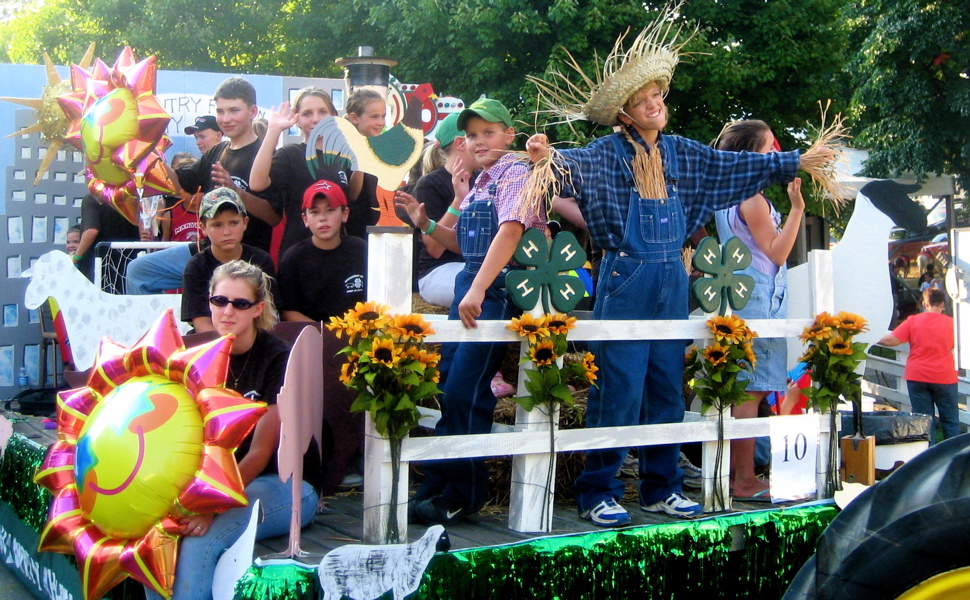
606, 514
676, 505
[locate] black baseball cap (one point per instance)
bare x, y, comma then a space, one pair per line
202, 123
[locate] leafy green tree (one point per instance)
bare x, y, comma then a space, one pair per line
911, 78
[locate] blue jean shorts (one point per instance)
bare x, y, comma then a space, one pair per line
769, 300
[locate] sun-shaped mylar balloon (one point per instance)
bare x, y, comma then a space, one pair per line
116, 120
148, 440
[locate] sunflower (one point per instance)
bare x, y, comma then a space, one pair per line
342, 327
559, 323
368, 316
850, 322
543, 353
691, 356
808, 355
820, 330
349, 369
530, 327
716, 354
728, 328
840, 345
749, 354
428, 359
589, 367
410, 327
384, 352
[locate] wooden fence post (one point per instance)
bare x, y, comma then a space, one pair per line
533, 495
388, 282
822, 300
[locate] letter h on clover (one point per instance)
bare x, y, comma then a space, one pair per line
547, 279
722, 285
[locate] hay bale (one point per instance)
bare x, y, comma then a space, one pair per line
569, 465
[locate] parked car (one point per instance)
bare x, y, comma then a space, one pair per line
905, 246
939, 248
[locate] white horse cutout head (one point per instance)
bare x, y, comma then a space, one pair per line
90, 313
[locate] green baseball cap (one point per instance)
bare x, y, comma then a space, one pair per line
447, 130
489, 109
213, 201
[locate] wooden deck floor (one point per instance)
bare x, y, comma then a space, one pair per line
342, 521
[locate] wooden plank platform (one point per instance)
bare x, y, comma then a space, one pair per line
342, 521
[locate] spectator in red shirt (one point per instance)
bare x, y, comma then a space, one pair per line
930, 373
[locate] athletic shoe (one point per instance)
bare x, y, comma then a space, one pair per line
693, 479
676, 505
606, 514
434, 511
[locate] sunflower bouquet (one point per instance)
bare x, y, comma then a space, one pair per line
832, 358
387, 365
391, 371
715, 370
548, 382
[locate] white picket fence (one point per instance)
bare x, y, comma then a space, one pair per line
528, 442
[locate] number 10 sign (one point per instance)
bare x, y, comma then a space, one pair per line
794, 446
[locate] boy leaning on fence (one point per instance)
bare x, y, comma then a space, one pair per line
641, 194
487, 232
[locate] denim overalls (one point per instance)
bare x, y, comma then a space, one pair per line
467, 368
640, 382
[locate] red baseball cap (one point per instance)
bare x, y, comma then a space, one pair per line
329, 190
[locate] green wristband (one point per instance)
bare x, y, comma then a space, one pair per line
454, 211
430, 227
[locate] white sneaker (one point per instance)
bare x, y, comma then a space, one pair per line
607, 514
676, 505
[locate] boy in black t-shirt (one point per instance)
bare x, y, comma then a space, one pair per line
224, 220
323, 276
228, 163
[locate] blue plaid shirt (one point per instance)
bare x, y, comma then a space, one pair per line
708, 180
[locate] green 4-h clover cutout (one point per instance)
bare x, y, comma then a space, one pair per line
722, 286
545, 280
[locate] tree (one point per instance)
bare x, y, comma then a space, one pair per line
911, 81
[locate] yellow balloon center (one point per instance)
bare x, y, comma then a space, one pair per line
140, 447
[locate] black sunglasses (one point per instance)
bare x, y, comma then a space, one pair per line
238, 303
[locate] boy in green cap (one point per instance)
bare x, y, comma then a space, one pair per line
488, 230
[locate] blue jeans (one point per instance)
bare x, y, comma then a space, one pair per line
943, 396
467, 401
197, 556
157, 272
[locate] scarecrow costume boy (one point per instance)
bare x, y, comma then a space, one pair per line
642, 192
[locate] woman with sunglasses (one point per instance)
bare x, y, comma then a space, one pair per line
242, 305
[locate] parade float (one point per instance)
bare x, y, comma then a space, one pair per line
727, 554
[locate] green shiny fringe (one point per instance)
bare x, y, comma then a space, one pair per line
754, 555
17, 488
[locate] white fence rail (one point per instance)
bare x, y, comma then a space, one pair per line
528, 442
884, 380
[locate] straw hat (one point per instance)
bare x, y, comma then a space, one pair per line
651, 57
